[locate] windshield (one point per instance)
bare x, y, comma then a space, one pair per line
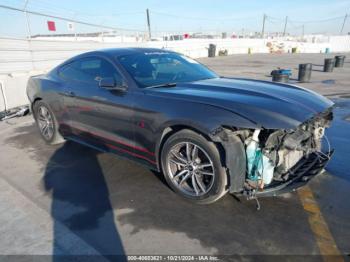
158, 68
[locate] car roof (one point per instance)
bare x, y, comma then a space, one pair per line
127, 50
123, 51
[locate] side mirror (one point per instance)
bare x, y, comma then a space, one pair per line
110, 84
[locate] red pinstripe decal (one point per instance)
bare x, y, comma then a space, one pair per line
135, 147
117, 141
122, 143
131, 153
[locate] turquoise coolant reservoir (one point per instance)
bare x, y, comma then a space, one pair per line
259, 166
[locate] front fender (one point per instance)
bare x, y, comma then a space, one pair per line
207, 120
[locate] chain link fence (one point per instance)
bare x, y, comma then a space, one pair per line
26, 24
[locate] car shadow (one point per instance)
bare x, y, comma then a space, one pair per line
80, 201
227, 226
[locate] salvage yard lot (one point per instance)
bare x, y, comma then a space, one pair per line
69, 199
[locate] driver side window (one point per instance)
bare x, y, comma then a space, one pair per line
89, 70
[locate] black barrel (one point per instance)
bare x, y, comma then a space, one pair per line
304, 74
211, 50
279, 76
339, 61
328, 65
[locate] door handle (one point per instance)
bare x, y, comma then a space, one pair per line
69, 93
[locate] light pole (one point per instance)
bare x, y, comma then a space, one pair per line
263, 27
148, 24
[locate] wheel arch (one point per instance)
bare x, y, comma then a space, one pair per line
229, 145
33, 103
174, 128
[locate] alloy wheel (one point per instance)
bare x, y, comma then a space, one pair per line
45, 122
191, 169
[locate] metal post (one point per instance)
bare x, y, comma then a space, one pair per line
303, 31
29, 33
27, 19
263, 27
341, 30
148, 24
285, 26
75, 31
102, 35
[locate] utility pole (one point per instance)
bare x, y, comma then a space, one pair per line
263, 27
285, 26
148, 24
341, 30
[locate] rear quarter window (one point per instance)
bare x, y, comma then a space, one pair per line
90, 70
73, 71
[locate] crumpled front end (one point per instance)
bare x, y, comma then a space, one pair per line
276, 161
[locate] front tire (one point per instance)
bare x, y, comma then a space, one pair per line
192, 167
47, 124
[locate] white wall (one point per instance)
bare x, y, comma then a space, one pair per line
21, 58
339, 43
19, 55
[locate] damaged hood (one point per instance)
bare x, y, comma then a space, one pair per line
269, 105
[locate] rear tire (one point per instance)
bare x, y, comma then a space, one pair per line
192, 167
47, 123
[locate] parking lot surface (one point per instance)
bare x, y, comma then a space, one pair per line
70, 199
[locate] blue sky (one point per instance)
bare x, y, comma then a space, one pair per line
186, 15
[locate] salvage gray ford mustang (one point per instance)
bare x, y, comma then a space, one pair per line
207, 134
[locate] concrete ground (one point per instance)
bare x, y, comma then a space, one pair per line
259, 66
72, 200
